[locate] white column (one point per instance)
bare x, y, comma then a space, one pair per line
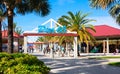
80, 47
87, 49
51, 50
67, 50
104, 47
107, 45
75, 48
25, 44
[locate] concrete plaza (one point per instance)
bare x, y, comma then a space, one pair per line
80, 65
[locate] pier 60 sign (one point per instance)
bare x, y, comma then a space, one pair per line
59, 29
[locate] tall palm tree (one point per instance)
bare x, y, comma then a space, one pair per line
12, 7
2, 17
78, 23
112, 5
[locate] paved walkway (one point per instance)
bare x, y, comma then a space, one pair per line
65, 65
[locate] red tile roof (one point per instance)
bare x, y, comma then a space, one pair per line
5, 34
104, 30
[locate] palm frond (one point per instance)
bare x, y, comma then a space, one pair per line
71, 15
102, 3
118, 19
115, 10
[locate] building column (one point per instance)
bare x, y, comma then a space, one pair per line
68, 53
25, 44
75, 48
51, 50
79, 47
107, 45
104, 49
87, 49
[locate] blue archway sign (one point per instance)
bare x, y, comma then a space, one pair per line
59, 29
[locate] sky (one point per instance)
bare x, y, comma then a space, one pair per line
60, 7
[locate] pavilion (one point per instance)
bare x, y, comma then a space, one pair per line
107, 35
103, 34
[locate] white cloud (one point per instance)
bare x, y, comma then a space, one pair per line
106, 20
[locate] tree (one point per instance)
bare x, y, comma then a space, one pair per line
17, 29
12, 7
2, 17
41, 39
78, 23
112, 5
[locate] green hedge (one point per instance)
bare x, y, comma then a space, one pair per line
19, 63
115, 64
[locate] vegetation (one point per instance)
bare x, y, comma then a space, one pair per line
78, 23
21, 64
115, 64
106, 57
112, 5
12, 7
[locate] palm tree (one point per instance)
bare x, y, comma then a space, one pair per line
2, 17
112, 5
41, 39
17, 29
78, 23
12, 7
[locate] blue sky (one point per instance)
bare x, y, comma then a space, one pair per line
61, 7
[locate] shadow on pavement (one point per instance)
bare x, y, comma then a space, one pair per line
78, 66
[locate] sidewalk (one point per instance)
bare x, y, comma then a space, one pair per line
80, 65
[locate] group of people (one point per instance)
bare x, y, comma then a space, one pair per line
58, 49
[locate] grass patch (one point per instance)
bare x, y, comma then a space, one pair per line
105, 57
115, 64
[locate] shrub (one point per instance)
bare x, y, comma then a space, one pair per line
115, 64
19, 63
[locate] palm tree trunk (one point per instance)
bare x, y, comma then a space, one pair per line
0, 37
10, 30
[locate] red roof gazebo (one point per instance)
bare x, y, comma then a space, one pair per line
105, 31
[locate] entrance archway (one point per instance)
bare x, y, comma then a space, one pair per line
49, 32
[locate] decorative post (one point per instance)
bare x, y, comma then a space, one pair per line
51, 48
75, 48
67, 50
25, 44
104, 47
80, 47
107, 45
87, 47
